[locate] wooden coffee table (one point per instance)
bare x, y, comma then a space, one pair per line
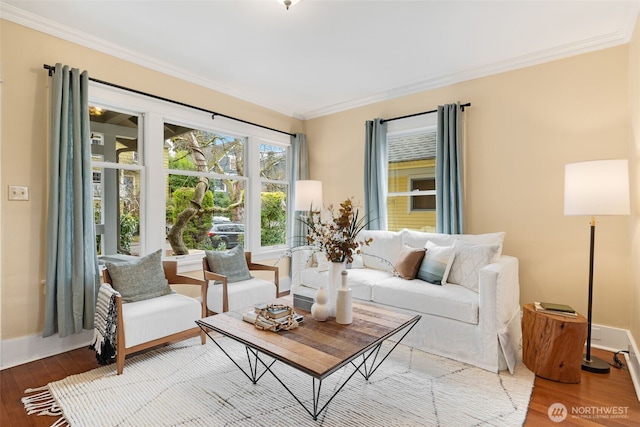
316, 348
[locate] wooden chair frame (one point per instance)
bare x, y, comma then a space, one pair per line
210, 275
171, 273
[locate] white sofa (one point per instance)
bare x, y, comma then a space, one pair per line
479, 325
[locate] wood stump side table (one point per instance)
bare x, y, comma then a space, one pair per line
552, 345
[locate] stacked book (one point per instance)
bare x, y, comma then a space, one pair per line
557, 309
277, 316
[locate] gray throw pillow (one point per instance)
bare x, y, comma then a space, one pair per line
139, 279
232, 264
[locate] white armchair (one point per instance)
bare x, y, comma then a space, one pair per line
146, 323
226, 294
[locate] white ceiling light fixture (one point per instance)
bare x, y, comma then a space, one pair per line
288, 3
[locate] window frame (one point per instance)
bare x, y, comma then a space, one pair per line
153, 114
414, 193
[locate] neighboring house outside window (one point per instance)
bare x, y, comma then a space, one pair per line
411, 199
150, 156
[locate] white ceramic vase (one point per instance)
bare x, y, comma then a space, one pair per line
344, 312
320, 309
335, 280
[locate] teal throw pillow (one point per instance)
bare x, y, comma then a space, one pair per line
436, 263
139, 279
231, 263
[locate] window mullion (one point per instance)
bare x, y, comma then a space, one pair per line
252, 198
155, 181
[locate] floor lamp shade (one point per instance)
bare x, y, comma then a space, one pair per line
308, 195
599, 187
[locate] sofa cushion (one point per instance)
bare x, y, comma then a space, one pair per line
436, 263
419, 239
322, 262
139, 279
468, 262
383, 249
360, 280
485, 239
451, 301
245, 293
159, 317
408, 262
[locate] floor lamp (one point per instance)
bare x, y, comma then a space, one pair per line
593, 188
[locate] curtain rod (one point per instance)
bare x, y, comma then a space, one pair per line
52, 69
462, 107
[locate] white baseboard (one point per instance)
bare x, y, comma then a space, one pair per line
26, 349
609, 338
633, 363
616, 339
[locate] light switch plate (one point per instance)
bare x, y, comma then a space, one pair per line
18, 192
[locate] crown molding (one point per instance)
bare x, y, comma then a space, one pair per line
628, 19
627, 26
540, 57
46, 26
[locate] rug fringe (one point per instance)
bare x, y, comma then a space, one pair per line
43, 403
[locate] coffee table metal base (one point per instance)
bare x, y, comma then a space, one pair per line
365, 364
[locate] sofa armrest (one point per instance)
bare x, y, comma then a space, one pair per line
301, 258
499, 293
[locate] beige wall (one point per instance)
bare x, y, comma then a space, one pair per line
634, 160
522, 128
24, 136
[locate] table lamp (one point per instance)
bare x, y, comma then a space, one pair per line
599, 187
308, 195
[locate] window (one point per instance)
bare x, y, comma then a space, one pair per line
425, 202
169, 176
116, 181
274, 188
205, 180
411, 200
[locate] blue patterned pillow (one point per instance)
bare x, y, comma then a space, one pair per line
139, 279
232, 264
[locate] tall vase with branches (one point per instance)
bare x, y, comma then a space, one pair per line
335, 234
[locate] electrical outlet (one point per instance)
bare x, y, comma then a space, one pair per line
18, 192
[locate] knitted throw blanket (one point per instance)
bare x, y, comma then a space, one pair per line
105, 322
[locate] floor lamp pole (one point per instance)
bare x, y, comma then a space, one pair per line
592, 364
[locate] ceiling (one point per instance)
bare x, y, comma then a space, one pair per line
323, 56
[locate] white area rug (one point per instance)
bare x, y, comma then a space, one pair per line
188, 384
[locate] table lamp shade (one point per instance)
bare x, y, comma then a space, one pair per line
308, 195
599, 187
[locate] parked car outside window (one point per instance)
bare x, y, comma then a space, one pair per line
221, 219
228, 234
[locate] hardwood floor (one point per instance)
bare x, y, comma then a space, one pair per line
595, 392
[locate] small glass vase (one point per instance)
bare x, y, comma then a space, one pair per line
335, 280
